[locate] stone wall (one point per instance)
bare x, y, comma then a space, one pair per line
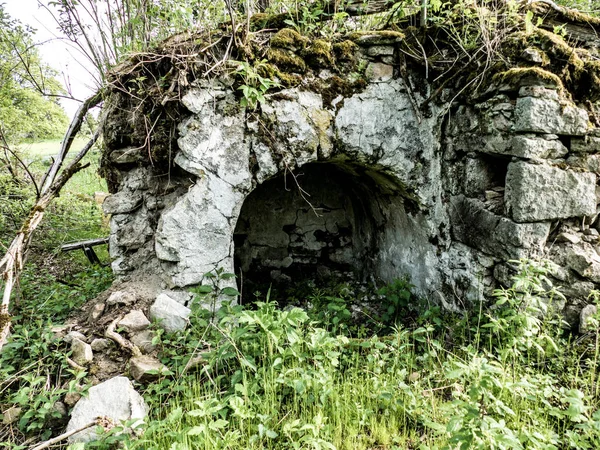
367, 184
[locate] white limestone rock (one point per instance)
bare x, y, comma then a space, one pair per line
82, 353
544, 115
134, 321
172, 315
539, 192
115, 398
586, 322
211, 142
197, 232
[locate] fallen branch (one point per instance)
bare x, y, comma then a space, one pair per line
12, 262
64, 436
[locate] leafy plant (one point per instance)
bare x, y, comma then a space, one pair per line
254, 86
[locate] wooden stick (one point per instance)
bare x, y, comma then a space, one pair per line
63, 436
12, 262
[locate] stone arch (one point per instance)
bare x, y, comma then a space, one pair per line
373, 145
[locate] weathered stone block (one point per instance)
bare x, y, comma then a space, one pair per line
531, 147
539, 192
543, 115
379, 72
479, 228
122, 202
589, 144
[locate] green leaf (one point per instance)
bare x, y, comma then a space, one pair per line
230, 291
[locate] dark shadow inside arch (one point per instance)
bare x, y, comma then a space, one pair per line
321, 225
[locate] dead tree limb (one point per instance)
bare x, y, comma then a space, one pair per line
12, 262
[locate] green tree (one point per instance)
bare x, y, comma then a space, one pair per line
29, 88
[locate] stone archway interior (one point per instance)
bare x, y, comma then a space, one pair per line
313, 225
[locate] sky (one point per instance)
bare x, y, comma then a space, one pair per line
55, 52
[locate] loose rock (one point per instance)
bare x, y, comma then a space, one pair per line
172, 315
146, 368
134, 321
115, 398
82, 352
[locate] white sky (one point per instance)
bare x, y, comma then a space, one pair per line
55, 52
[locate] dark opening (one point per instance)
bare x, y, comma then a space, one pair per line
314, 228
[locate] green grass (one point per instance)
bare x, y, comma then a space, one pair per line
47, 148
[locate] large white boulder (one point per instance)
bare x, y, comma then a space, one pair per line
115, 398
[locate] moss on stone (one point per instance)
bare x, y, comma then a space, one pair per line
286, 60
263, 21
520, 75
319, 54
376, 37
345, 50
289, 39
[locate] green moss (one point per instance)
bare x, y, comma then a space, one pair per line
518, 76
286, 79
286, 60
335, 86
289, 39
345, 50
376, 37
262, 21
319, 54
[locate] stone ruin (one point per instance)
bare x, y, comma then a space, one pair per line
358, 167
355, 173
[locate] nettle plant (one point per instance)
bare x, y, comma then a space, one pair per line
254, 86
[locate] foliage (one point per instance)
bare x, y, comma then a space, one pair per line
254, 86
272, 378
26, 81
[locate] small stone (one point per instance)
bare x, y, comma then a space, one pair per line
172, 315
143, 341
60, 408
99, 345
591, 232
82, 353
584, 260
586, 318
120, 298
590, 239
71, 335
11, 415
71, 398
532, 55
379, 72
146, 368
490, 195
122, 202
380, 50
568, 237
134, 321
97, 311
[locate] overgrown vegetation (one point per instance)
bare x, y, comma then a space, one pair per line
505, 377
